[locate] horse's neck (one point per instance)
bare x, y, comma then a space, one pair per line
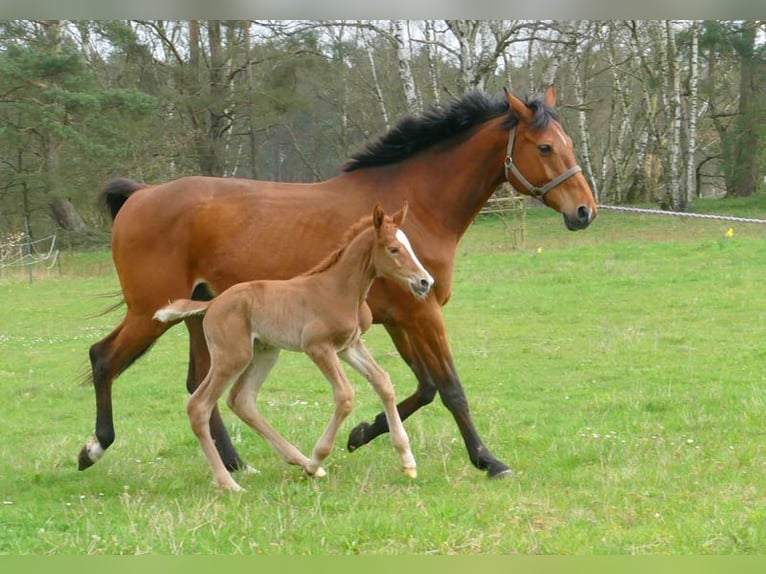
454, 183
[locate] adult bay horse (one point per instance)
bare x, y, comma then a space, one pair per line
196, 236
322, 313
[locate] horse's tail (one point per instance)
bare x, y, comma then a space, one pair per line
116, 192
180, 309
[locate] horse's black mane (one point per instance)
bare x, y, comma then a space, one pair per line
415, 133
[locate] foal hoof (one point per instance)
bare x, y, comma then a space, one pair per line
356, 437
229, 487
411, 472
318, 473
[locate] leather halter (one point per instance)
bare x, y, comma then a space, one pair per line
533, 190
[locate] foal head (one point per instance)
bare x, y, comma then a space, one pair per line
539, 147
393, 256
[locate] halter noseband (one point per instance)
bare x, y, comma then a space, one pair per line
533, 190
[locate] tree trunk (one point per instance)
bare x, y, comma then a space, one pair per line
744, 177
66, 215
433, 62
404, 57
691, 145
673, 98
582, 117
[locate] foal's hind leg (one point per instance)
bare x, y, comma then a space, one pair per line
242, 400
109, 357
360, 359
199, 365
228, 362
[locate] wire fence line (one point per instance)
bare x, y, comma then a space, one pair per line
19, 250
681, 214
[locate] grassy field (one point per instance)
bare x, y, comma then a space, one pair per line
619, 370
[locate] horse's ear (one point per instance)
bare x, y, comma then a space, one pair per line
550, 96
400, 215
518, 108
377, 216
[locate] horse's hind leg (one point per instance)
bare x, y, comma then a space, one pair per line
199, 364
109, 357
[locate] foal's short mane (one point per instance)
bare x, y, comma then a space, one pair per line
356, 229
438, 123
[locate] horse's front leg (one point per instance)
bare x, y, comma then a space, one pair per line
199, 364
422, 342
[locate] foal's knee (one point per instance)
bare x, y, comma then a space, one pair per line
385, 388
199, 415
344, 402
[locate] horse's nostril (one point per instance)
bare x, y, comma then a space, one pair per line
425, 283
583, 214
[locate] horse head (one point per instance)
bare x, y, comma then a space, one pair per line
538, 142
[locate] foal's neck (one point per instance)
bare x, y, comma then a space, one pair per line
354, 270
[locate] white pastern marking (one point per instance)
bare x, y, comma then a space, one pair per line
402, 237
94, 449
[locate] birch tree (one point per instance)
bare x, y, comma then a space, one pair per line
691, 145
673, 99
404, 59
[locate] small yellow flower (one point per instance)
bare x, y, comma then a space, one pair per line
729, 232
539, 250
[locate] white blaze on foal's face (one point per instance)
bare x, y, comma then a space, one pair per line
426, 281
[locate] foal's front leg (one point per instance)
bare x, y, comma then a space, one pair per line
362, 361
326, 359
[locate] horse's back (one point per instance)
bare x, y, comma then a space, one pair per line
222, 231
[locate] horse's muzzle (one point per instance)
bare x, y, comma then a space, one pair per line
582, 218
421, 287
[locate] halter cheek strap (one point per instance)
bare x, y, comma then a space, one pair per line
533, 190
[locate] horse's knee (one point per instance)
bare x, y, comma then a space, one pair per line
99, 363
427, 393
453, 397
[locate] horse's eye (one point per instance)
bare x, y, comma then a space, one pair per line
545, 149
393, 250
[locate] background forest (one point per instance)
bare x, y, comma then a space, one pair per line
661, 111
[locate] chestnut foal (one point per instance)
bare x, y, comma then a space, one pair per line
322, 313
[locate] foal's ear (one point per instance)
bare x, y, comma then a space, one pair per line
400, 215
378, 216
518, 108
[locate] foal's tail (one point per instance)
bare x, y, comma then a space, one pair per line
180, 309
116, 192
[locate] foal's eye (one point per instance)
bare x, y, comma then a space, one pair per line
393, 250
545, 149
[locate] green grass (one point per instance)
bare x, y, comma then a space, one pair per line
619, 370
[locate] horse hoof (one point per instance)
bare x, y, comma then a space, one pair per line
502, 473
90, 453
84, 461
356, 437
320, 472
411, 472
250, 470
